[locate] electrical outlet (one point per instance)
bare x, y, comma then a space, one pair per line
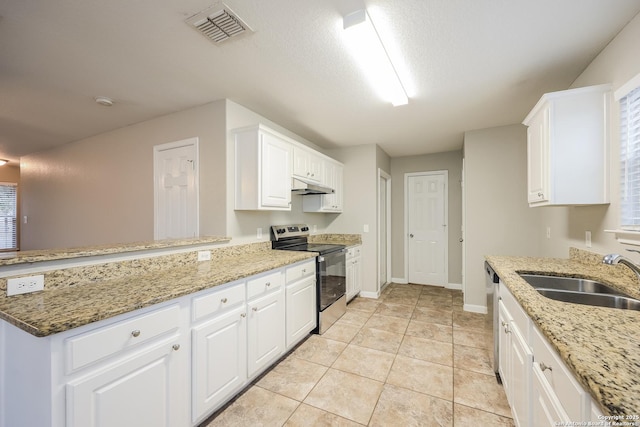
548, 232
204, 255
587, 238
25, 285
259, 233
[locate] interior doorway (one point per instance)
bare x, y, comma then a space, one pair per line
426, 224
384, 229
175, 173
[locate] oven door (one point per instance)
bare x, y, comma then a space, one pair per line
332, 278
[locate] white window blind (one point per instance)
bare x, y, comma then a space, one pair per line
8, 216
630, 160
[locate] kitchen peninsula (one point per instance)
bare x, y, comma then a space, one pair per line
118, 322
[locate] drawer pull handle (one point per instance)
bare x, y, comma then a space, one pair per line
268, 284
223, 300
255, 309
304, 270
176, 347
544, 367
135, 333
243, 314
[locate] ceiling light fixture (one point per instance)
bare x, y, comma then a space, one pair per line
367, 46
104, 101
3, 162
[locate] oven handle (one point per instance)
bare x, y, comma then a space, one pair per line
341, 251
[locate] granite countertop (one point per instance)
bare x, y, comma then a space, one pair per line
24, 257
600, 345
60, 309
337, 239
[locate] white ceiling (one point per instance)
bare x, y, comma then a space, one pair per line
471, 65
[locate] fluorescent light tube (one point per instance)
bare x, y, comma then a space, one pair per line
366, 46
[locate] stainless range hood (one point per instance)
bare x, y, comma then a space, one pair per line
303, 188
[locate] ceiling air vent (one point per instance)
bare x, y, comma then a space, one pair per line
218, 23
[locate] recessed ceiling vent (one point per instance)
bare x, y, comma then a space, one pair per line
219, 23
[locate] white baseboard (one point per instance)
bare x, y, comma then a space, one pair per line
374, 295
475, 308
400, 281
454, 286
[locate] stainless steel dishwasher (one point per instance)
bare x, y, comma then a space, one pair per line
491, 282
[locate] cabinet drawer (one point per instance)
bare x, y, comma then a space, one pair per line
353, 252
263, 284
298, 271
568, 391
84, 349
218, 301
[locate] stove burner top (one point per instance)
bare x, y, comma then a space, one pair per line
295, 238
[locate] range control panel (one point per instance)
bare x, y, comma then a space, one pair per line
295, 230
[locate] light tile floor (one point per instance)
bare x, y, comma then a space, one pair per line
412, 357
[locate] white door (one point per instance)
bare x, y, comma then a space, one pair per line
427, 228
176, 189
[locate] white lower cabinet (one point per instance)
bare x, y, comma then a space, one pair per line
353, 271
219, 360
266, 330
139, 390
515, 366
301, 316
141, 368
540, 389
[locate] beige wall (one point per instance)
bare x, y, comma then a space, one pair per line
616, 64
100, 190
449, 161
360, 205
498, 218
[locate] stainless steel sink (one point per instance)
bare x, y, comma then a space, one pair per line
568, 284
580, 291
601, 300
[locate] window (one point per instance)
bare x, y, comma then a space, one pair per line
630, 160
8, 216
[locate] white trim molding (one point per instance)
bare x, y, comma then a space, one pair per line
482, 309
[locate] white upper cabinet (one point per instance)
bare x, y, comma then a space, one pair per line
333, 178
307, 165
263, 160
568, 147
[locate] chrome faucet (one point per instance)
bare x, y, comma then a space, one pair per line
613, 259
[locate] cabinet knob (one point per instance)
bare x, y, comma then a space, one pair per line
544, 367
304, 270
175, 347
255, 309
540, 194
411, 235
243, 314
135, 333
268, 284
223, 300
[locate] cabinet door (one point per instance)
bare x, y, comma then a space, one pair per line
265, 331
301, 310
146, 389
219, 360
350, 278
538, 157
519, 383
276, 172
546, 410
504, 339
357, 275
